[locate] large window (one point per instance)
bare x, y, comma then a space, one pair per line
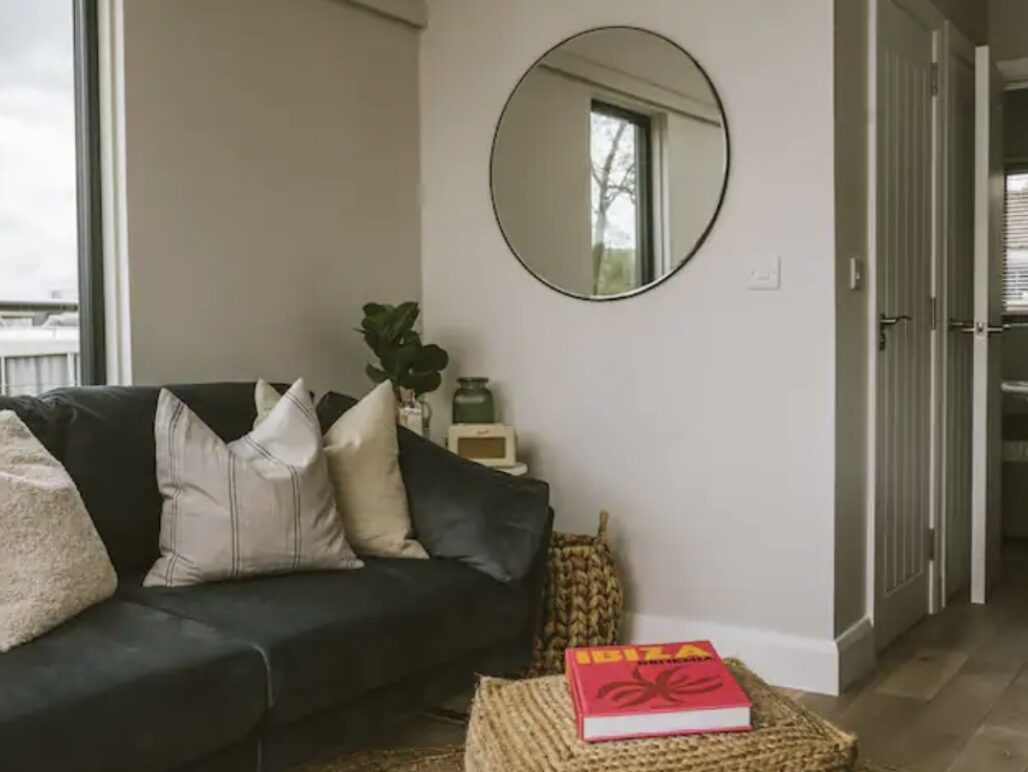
50, 298
622, 221
1015, 290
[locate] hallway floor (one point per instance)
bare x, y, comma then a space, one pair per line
951, 695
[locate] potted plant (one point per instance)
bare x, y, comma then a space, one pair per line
414, 368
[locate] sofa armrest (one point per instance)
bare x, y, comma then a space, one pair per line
468, 512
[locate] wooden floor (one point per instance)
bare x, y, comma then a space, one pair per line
949, 696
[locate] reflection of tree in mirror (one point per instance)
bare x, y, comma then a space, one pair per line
616, 272
614, 193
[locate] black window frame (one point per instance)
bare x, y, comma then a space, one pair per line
645, 253
86, 44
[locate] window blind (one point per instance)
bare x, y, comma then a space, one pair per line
1015, 272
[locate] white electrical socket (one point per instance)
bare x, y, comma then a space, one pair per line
765, 274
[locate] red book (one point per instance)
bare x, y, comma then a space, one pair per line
653, 691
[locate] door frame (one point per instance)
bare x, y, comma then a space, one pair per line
954, 43
987, 466
929, 14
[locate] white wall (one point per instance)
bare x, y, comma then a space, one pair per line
1008, 29
272, 172
701, 414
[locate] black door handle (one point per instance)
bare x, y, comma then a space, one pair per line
885, 322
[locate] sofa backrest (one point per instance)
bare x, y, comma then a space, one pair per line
104, 436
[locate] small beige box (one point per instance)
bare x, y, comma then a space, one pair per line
488, 444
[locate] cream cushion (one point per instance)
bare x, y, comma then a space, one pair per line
261, 504
53, 564
364, 465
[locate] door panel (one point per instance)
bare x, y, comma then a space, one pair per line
959, 312
905, 248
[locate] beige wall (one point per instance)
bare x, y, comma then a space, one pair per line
851, 358
272, 173
542, 181
1015, 118
972, 16
1008, 29
696, 154
701, 414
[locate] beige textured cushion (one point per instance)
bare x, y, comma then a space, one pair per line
364, 464
261, 504
53, 564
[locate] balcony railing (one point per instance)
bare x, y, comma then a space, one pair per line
37, 355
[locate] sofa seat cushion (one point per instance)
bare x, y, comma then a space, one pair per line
329, 637
125, 688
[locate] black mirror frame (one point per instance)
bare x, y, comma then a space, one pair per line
717, 209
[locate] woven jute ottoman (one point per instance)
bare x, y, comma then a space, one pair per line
529, 726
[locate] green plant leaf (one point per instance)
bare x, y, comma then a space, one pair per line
390, 333
400, 321
431, 357
400, 358
375, 374
410, 337
421, 383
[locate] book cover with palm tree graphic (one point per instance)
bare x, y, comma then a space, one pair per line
657, 690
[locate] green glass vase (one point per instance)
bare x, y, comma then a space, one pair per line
473, 402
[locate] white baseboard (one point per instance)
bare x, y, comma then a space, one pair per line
811, 664
856, 647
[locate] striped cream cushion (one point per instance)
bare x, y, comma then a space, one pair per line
261, 504
364, 467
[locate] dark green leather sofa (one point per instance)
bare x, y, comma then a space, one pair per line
265, 673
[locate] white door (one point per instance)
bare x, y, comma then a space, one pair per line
904, 228
958, 309
986, 441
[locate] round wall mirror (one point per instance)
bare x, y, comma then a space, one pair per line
609, 163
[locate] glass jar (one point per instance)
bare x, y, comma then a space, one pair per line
473, 402
414, 413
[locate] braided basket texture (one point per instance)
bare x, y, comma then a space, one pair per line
447, 759
529, 726
584, 599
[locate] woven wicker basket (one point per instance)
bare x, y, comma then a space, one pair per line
529, 726
584, 598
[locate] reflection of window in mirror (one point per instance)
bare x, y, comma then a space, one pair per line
622, 211
609, 163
